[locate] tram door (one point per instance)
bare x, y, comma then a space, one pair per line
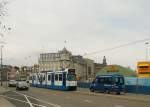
64, 79
52, 80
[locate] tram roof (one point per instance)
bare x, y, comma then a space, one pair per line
66, 70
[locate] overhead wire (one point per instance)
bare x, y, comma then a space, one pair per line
119, 46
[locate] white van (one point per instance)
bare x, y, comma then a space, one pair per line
22, 85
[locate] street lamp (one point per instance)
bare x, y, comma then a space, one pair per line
17, 73
1, 64
146, 54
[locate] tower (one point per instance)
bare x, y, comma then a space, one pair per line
104, 61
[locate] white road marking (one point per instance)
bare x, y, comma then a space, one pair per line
88, 101
28, 101
52, 104
84, 92
55, 94
118, 106
13, 95
22, 101
18, 93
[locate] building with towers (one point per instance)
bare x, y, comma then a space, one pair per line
99, 66
63, 59
55, 61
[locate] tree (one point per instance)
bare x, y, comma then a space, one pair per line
3, 12
3, 9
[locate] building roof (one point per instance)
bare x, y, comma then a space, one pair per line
64, 51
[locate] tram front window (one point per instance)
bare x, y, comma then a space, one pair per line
71, 77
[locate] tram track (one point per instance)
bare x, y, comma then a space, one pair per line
22, 100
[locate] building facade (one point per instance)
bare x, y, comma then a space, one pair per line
4, 72
9, 72
13, 74
55, 61
85, 68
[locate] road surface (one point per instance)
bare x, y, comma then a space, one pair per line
38, 97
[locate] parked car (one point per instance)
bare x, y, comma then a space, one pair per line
12, 83
22, 85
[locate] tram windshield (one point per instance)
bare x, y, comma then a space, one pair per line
71, 77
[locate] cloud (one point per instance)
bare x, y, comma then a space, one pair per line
87, 25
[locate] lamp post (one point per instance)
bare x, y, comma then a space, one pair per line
146, 54
17, 73
1, 64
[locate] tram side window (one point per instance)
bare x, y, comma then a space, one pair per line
60, 77
44, 78
56, 77
49, 77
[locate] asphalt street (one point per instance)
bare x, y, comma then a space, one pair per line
38, 97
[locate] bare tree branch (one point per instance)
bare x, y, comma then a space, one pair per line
3, 12
3, 9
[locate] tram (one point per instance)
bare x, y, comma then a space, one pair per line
59, 80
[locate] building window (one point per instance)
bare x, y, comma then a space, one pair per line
52, 55
89, 70
56, 55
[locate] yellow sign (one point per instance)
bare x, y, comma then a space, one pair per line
143, 69
112, 68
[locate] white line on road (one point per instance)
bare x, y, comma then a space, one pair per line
22, 101
118, 106
28, 101
52, 104
49, 103
84, 92
88, 101
55, 94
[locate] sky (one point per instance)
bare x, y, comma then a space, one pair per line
87, 25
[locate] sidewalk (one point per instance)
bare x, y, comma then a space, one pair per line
3, 90
4, 102
126, 96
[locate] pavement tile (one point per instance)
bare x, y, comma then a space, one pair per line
5, 103
3, 90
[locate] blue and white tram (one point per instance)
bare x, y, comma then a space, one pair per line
60, 80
